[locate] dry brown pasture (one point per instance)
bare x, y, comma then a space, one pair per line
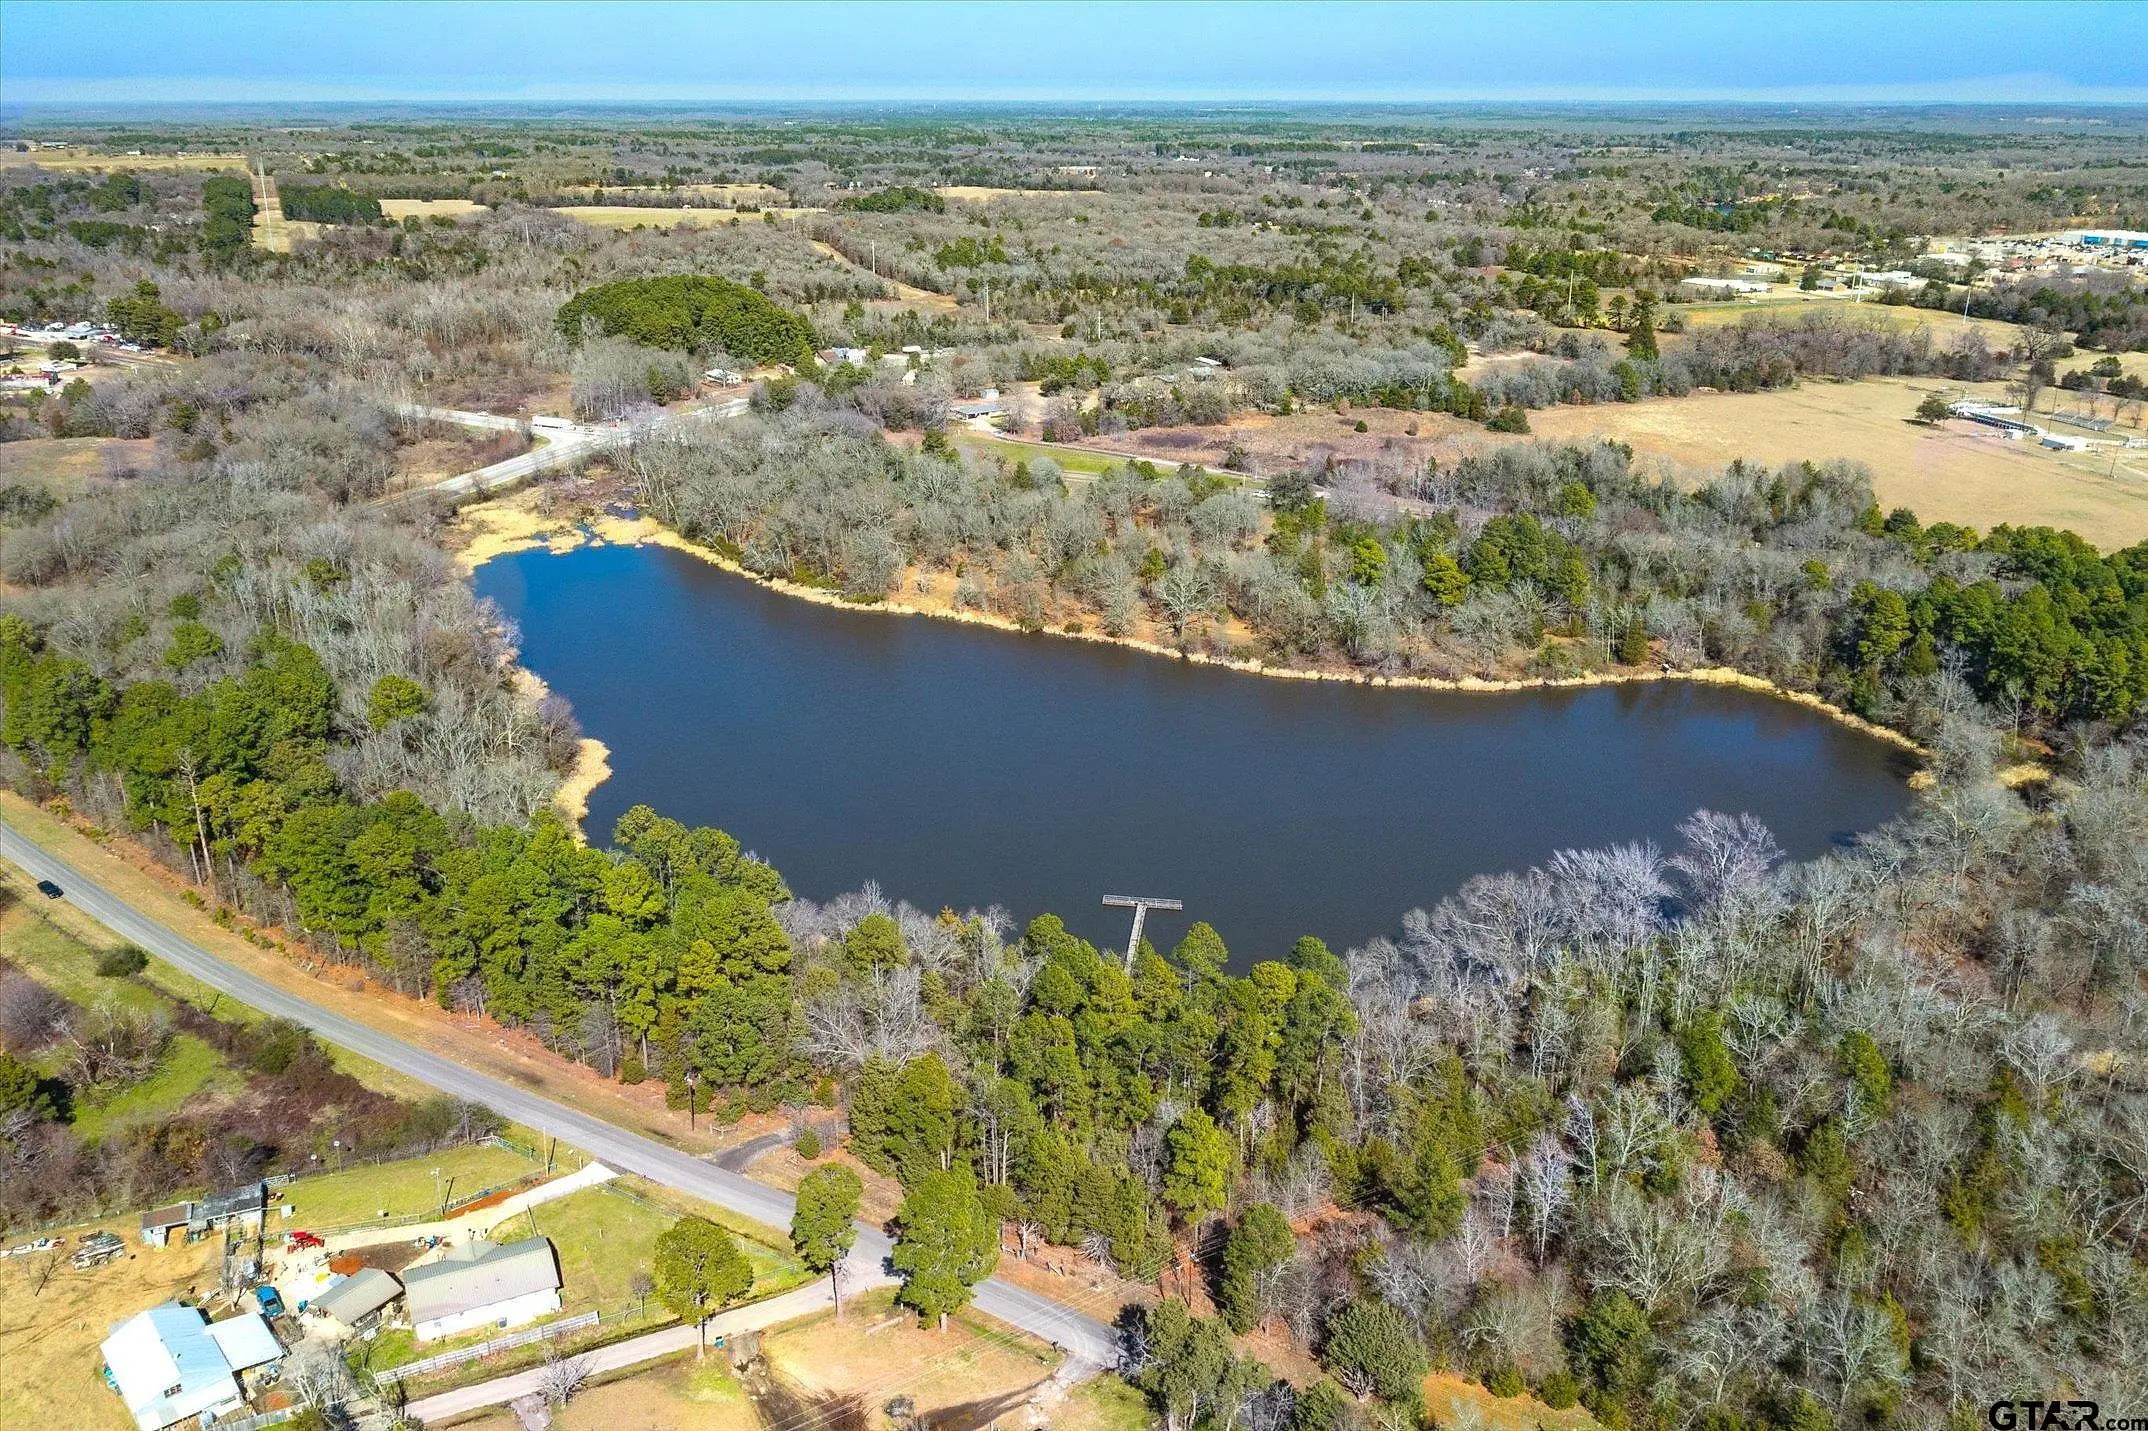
49, 1338
63, 466
75, 160
1956, 471
834, 1375
627, 216
430, 208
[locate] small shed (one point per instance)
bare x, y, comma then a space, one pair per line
159, 1224
356, 1303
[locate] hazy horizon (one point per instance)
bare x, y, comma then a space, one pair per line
63, 53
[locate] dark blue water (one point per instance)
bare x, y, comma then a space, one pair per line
961, 766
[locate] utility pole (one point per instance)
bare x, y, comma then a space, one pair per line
1140, 905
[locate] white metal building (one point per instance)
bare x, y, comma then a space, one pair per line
169, 1364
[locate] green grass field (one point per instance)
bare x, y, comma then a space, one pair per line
405, 1190
1094, 463
607, 1234
59, 947
190, 1069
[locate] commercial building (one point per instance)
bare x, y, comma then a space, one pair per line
170, 1364
482, 1284
2108, 238
1726, 287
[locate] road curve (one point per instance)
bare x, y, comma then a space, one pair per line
1079, 1334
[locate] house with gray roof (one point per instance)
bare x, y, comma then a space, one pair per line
483, 1284
356, 1302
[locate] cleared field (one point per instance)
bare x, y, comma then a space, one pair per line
979, 194
406, 1190
430, 208
904, 293
85, 159
1953, 472
726, 196
1453, 1402
607, 1234
1793, 304
49, 1337
1094, 464
627, 216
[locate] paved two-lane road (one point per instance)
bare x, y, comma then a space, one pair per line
565, 442
1080, 1335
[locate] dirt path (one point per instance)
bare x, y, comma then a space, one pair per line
271, 230
921, 297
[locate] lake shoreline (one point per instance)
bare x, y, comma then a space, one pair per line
506, 530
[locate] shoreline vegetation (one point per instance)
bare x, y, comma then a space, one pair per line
507, 526
592, 762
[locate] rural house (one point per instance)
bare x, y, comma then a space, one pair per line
483, 1283
169, 1364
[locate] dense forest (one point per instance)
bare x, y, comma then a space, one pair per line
1544, 560
327, 204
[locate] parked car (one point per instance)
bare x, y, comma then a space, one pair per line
49, 890
269, 1300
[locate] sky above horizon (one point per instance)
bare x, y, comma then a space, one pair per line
58, 52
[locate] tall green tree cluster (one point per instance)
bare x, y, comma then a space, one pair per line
690, 313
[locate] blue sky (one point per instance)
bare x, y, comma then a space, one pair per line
56, 52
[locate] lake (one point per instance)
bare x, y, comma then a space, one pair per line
963, 766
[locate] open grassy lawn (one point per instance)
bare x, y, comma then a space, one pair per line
405, 1190
1093, 463
605, 1235
1953, 472
189, 1070
52, 1374
66, 964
